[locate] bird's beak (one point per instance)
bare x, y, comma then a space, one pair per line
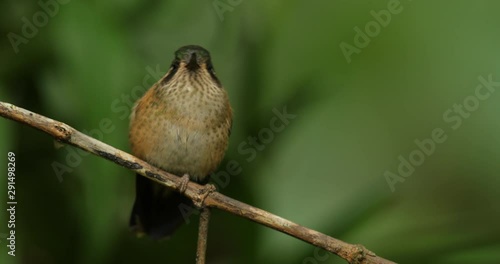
192, 64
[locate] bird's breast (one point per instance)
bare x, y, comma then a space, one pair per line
184, 132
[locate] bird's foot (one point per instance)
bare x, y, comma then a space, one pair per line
184, 183
205, 192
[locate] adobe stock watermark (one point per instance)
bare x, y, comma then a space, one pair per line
249, 149
223, 6
121, 106
319, 255
31, 26
454, 118
362, 38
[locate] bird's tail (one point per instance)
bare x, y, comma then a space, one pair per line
158, 211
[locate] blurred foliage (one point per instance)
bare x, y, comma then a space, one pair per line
324, 170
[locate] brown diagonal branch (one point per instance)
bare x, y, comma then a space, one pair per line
202, 196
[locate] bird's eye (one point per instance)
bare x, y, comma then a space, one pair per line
175, 65
211, 71
171, 72
210, 68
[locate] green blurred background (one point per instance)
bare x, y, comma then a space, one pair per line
325, 170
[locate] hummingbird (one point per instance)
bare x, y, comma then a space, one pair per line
181, 125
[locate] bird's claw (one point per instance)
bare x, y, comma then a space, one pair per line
184, 183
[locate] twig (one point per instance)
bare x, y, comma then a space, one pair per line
202, 196
203, 236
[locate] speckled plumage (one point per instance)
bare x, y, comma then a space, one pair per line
181, 125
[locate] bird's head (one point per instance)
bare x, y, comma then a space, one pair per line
191, 63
